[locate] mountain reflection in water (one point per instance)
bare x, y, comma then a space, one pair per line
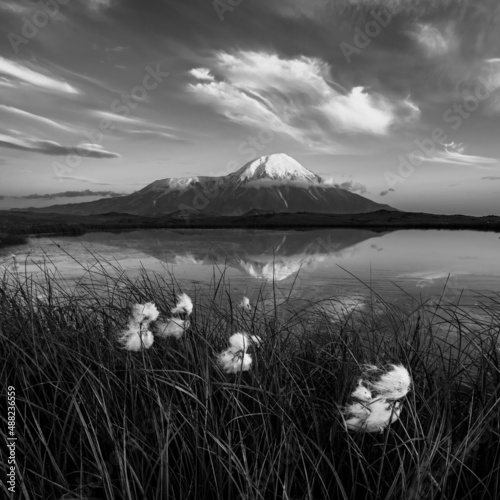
317, 263
264, 255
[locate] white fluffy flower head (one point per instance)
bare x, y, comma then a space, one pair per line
233, 360
376, 407
184, 305
145, 312
361, 392
135, 338
239, 341
174, 327
394, 384
137, 335
245, 304
372, 417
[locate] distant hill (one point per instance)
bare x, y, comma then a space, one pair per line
271, 184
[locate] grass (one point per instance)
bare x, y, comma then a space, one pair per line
95, 421
7, 240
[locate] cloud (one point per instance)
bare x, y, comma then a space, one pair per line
114, 117
435, 40
155, 133
15, 7
350, 185
298, 98
85, 180
202, 74
99, 5
454, 153
353, 187
491, 178
41, 119
68, 194
118, 48
384, 193
24, 74
53, 148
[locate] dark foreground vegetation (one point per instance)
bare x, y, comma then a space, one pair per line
95, 421
34, 223
8, 240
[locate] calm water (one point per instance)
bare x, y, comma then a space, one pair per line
343, 263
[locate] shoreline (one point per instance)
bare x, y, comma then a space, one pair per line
39, 224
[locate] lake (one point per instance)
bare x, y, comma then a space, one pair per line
353, 265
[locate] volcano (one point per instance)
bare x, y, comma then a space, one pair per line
275, 183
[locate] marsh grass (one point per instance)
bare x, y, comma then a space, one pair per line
95, 421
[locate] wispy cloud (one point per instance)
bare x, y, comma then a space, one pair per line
436, 40
298, 98
34, 145
353, 187
69, 194
14, 6
454, 153
155, 133
85, 180
149, 129
22, 73
202, 74
32, 116
116, 118
100, 5
386, 192
350, 185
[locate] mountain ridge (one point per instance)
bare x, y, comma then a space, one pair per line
272, 183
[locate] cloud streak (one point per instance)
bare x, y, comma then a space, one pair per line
33, 145
69, 194
32, 116
22, 73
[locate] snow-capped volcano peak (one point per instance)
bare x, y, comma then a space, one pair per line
275, 167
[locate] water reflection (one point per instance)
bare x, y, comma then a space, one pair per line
350, 263
264, 255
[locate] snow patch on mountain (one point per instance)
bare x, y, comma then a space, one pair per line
180, 183
278, 167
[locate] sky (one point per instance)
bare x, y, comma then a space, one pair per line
397, 100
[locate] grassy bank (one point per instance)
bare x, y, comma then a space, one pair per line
10, 240
96, 421
38, 223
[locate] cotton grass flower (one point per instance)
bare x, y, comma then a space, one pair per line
245, 304
372, 417
239, 341
145, 313
394, 384
376, 395
174, 327
236, 359
136, 339
362, 393
137, 336
184, 305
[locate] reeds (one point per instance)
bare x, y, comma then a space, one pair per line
98, 421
